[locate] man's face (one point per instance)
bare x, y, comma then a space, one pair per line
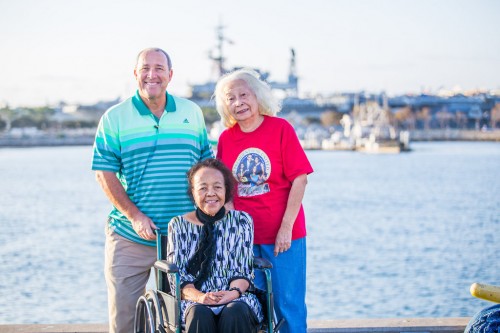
152, 74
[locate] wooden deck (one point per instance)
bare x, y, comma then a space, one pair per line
390, 325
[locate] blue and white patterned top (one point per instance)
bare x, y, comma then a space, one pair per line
233, 258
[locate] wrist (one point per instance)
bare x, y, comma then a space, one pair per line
134, 214
236, 289
286, 225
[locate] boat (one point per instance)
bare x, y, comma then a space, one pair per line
369, 130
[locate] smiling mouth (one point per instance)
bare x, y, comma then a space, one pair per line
212, 201
242, 111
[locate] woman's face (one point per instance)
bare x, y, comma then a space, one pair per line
241, 101
209, 190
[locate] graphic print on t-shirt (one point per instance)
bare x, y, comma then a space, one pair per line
251, 169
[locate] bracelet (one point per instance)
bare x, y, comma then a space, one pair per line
237, 289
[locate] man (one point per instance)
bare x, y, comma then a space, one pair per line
143, 148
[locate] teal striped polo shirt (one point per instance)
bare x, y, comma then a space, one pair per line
150, 157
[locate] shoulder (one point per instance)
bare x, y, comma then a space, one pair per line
224, 133
278, 122
116, 115
280, 127
176, 222
241, 216
185, 223
230, 132
119, 109
185, 104
241, 222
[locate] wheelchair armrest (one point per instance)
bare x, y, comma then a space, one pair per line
166, 267
261, 263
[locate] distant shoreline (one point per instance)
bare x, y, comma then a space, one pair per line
88, 140
41, 141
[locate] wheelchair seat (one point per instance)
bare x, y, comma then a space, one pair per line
159, 310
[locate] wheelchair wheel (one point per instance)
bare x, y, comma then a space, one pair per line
149, 314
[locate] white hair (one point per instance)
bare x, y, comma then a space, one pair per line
268, 103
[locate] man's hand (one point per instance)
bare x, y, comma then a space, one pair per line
144, 226
114, 190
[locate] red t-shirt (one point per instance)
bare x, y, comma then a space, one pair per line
264, 163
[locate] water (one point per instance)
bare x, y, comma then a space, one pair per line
388, 235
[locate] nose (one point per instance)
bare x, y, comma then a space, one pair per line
239, 102
151, 73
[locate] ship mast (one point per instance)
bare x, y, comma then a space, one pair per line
219, 59
292, 75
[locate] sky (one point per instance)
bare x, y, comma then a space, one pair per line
84, 51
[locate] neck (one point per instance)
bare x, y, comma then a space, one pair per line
252, 125
205, 218
155, 105
157, 108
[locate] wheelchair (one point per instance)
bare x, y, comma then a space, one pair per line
158, 311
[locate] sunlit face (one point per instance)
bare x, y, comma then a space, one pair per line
152, 75
241, 102
209, 190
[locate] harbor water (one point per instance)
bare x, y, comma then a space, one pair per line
401, 235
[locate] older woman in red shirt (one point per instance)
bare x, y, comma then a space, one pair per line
271, 169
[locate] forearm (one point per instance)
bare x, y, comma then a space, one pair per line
190, 293
115, 192
241, 284
294, 201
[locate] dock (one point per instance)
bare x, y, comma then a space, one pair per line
389, 325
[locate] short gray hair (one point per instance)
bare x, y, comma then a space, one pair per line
268, 103
154, 49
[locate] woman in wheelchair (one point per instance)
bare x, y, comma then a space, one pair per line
213, 249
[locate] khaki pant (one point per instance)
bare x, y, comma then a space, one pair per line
127, 266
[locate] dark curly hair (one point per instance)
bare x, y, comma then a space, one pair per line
212, 163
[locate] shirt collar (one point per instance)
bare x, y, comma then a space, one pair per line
144, 110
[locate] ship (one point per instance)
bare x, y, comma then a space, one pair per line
358, 121
287, 90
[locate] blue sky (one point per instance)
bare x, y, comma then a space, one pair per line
84, 51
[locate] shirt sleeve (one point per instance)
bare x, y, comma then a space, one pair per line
243, 248
219, 145
107, 149
206, 147
295, 161
177, 251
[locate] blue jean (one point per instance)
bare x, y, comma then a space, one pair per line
289, 283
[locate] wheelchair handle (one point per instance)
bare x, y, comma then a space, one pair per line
166, 267
486, 292
261, 263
